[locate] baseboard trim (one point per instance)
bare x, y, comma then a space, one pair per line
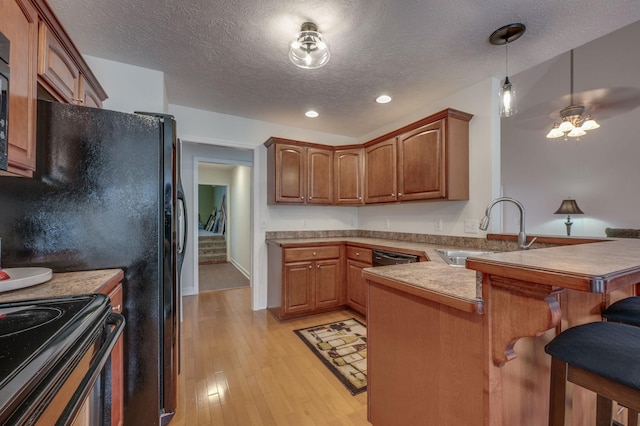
241, 269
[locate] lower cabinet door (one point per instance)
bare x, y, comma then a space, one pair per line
328, 283
299, 287
356, 286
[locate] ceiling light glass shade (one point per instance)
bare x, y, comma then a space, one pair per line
555, 132
508, 105
309, 50
566, 126
590, 124
577, 132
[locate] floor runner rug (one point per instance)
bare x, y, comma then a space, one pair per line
342, 347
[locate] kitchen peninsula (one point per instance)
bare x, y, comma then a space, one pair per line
432, 361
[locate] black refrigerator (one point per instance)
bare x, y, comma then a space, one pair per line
107, 194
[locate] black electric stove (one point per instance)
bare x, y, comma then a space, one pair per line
41, 342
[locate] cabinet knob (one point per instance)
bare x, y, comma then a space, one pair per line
399, 194
393, 195
79, 100
314, 253
302, 197
117, 308
357, 253
318, 266
310, 197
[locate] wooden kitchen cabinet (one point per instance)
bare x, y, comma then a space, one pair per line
348, 176
117, 364
422, 163
309, 280
380, 167
59, 74
19, 23
41, 53
298, 173
428, 159
358, 258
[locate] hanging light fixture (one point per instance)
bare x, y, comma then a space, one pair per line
309, 50
505, 35
574, 122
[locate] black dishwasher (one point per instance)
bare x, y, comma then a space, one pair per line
382, 257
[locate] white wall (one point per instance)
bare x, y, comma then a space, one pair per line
240, 218
130, 88
601, 169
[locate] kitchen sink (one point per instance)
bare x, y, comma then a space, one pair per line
459, 257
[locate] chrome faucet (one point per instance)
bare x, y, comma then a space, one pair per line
522, 237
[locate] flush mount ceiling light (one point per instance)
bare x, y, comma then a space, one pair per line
574, 121
309, 50
311, 114
505, 35
383, 99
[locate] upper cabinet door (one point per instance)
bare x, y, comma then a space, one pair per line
380, 172
422, 163
348, 175
290, 174
19, 23
320, 176
56, 68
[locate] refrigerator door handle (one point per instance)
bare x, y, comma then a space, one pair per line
182, 226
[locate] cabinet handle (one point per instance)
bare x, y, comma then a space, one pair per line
79, 100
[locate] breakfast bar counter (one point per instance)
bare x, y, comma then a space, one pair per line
496, 360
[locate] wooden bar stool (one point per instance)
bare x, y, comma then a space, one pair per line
602, 357
626, 311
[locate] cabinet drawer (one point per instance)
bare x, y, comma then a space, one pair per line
360, 254
311, 253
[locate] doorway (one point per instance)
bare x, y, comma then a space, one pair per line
220, 166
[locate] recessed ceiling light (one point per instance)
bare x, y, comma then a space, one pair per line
383, 99
311, 114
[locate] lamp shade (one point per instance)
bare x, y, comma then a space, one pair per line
569, 206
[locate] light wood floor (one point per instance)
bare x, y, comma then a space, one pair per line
241, 367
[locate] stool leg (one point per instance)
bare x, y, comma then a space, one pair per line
604, 411
557, 392
632, 419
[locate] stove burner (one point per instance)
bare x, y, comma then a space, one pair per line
18, 320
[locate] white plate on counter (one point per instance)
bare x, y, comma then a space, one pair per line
24, 277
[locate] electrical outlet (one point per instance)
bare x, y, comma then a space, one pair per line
437, 225
305, 223
471, 226
263, 223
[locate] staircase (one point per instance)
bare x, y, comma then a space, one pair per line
212, 249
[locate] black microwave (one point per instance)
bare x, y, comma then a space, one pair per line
4, 100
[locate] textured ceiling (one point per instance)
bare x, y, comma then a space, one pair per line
231, 56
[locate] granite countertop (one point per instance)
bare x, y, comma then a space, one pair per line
598, 267
68, 284
436, 280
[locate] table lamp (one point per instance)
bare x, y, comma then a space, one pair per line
569, 207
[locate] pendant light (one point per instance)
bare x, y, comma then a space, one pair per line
507, 95
309, 50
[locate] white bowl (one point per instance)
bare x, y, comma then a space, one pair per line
24, 277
